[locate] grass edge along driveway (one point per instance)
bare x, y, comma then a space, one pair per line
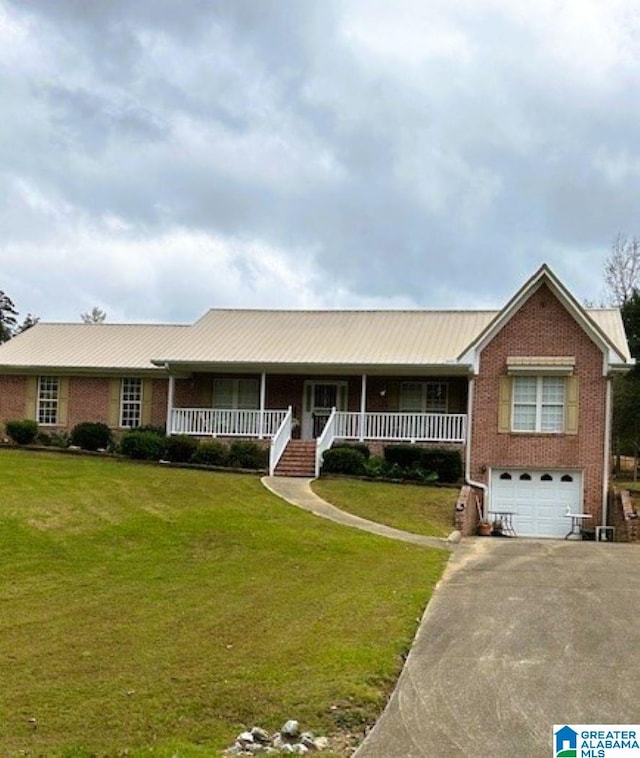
153, 609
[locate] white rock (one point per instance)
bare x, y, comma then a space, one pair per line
307, 739
290, 729
300, 749
455, 537
246, 738
321, 743
260, 735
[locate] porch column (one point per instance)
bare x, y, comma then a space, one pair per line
263, 393
363, 406
170, 395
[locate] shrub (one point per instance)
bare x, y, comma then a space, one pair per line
54, 439
359, 446
159, 430
446, 463
404, 455
211, 454
343, 460
91, 435
59, 439
22, 432
247, 454
145, 445
375, 467
179, 449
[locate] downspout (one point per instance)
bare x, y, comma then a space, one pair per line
607, 452
467, 456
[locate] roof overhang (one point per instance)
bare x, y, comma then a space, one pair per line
316, 369
15, 370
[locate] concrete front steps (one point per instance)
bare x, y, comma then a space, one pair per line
298, 459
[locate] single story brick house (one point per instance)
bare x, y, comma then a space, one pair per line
525, 392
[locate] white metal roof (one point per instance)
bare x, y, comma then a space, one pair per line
257, 337
367, 338
84, 347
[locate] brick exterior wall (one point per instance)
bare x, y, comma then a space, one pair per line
159, 396
89, 395
542, 327
13, 399
88, 400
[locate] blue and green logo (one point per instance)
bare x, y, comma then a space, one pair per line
566, 743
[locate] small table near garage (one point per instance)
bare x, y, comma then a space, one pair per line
506, 519
577, 521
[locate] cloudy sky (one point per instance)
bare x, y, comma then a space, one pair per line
158, 157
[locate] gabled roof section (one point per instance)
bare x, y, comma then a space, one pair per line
604, 327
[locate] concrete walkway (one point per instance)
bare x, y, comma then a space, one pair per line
519, 635
297, 491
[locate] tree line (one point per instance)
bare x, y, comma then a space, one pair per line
9, 325
622, 279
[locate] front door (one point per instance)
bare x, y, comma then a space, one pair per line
319, 399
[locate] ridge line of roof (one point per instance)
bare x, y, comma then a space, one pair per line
111, 323
349, 310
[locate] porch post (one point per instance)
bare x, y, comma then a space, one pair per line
263, 392
363, 406
170, 395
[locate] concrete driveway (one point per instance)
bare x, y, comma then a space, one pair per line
519, 635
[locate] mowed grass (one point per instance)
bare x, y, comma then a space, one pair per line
150, 610
418, 509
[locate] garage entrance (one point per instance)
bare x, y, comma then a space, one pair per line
539, 499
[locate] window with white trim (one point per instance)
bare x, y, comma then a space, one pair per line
539, 403
424, 397
130, 403
236, 393
48, 400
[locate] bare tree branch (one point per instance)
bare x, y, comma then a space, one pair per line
622, 269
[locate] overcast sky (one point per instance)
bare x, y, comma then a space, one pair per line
158, 157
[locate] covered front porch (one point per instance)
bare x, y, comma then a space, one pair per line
278, 408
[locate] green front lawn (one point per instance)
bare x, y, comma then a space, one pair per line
418, 509
158, 610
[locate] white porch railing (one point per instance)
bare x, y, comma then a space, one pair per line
409, 427
280, 440
412, 427
216, 422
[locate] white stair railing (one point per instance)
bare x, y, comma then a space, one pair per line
325, 440
280, 440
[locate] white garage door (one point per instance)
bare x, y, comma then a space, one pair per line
538, 499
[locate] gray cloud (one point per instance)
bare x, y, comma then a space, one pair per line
157, 158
